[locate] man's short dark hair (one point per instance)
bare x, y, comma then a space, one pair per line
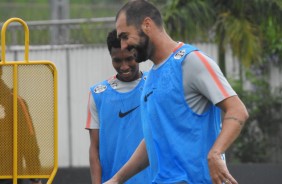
113, 40
137, 11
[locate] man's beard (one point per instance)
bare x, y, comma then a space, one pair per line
141, 51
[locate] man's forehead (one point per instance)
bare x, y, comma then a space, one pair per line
121, 23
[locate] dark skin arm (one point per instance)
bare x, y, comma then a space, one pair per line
138, 161
95, 166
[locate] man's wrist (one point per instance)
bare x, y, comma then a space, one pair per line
214, 154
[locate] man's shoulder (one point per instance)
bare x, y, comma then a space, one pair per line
98, 88
182, 52
103, 85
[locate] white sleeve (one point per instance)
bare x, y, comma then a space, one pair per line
203, 81
92, 121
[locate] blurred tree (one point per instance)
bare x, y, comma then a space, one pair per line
190, 20
234, 23
259, 140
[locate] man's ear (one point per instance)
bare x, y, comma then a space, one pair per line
146, 25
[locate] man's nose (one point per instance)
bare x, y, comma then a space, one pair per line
124, 65
123, 44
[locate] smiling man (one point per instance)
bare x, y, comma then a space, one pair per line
114, 119
185, 92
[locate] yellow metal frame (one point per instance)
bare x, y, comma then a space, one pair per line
15, 100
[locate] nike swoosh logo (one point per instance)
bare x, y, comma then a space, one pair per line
123, 114
147, 96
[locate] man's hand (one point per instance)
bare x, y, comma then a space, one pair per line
218, 169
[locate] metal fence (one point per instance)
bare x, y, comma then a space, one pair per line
62, 32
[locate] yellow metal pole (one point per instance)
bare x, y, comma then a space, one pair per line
3, 38
15, 88
52, 176
15, 125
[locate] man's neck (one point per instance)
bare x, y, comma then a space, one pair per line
164, 50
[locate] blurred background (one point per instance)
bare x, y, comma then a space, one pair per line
244, 37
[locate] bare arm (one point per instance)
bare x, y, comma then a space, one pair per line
138, 161
233, 122
95, 167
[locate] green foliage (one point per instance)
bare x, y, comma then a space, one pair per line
264, 107
87, 34
188, 20
92, 10
273, 43
25, 11
40, 10
239, 24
